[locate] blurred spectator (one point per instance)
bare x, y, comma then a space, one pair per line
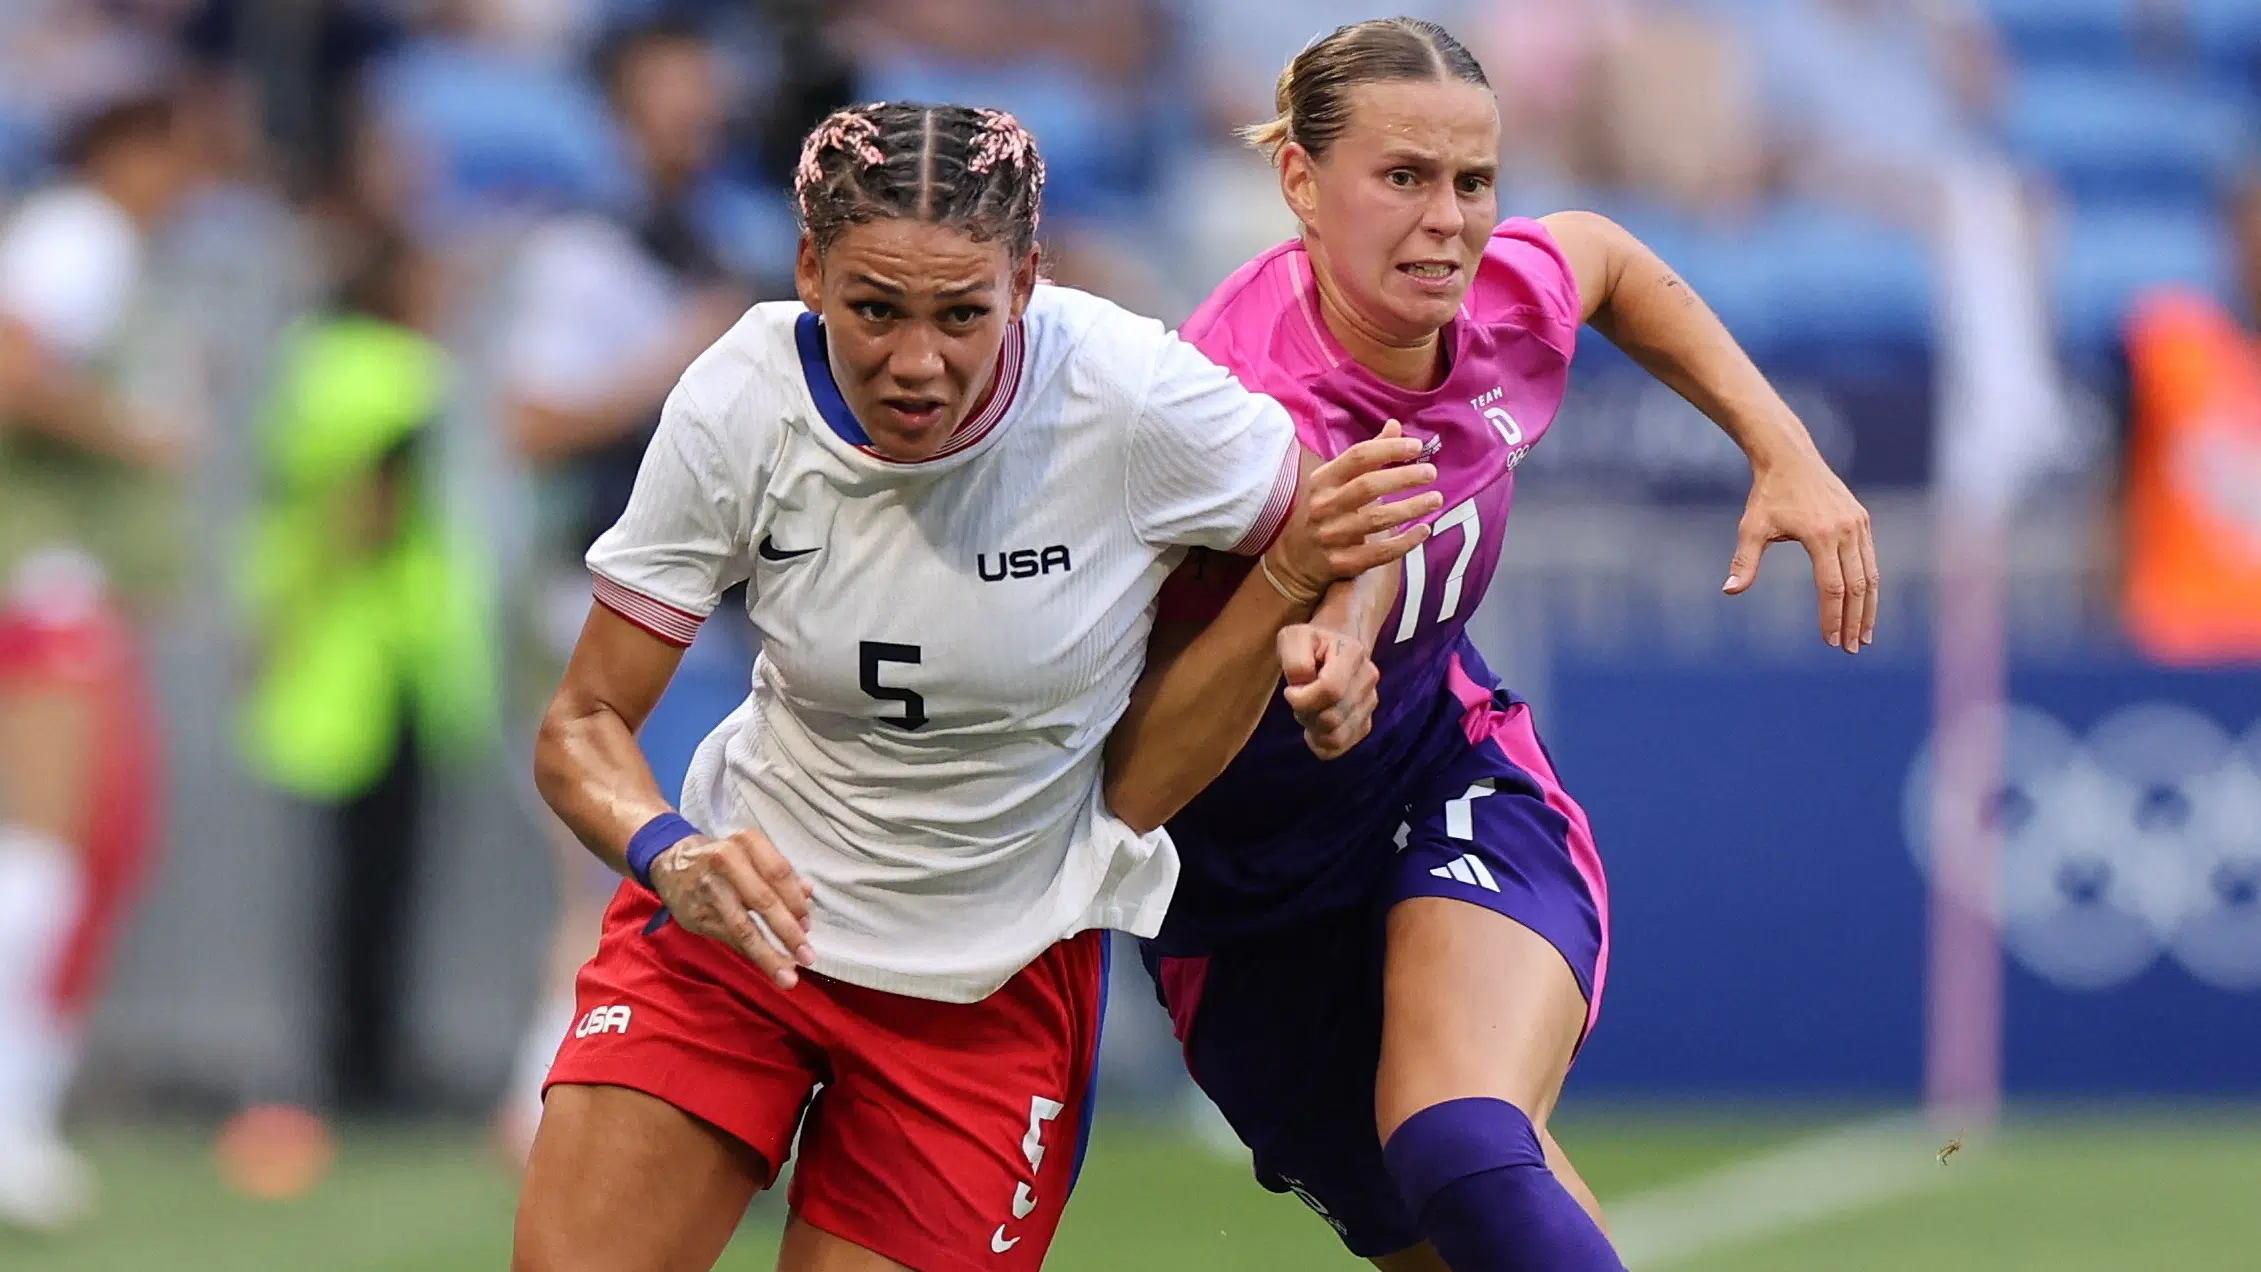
1545, 58
547, 30
1675, 112
800, 71
372, 630
87, 537
1868, 99
60, 59
604, 315
487, 130
2192, 582
606, 312
316, 83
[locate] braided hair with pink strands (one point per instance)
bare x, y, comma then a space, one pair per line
964, 166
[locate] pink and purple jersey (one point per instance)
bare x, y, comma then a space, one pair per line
1281, 834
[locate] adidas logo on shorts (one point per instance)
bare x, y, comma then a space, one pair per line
1469, 870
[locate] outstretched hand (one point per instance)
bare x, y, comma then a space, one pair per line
1806, 502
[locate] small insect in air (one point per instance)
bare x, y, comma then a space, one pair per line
1954, 1146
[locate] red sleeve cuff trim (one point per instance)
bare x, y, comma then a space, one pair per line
678, 627
1277, 506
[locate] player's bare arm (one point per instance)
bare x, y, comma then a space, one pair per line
1332, 684
1204, 692
595, 777
1631, 296
41, 394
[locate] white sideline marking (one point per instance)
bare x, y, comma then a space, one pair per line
1820, 1177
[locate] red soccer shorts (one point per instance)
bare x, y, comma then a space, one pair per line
946, 1136
86, 644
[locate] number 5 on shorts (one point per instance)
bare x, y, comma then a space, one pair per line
1040, 1111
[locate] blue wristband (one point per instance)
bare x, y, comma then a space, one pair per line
657, 836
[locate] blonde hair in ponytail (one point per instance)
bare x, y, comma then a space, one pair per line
1313, 95
1279, 130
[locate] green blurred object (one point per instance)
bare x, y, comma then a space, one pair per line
2087, 1194
369, 619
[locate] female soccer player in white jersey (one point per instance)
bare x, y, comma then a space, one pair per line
1381, 969
953, 495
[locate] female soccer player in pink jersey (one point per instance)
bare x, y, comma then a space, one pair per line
1381, 967
953, 496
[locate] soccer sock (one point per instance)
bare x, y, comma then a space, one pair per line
1477, 1182
40, 895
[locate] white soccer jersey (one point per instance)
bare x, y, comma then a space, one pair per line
945, 644
69, 262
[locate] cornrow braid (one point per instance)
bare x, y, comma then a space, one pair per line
952, 165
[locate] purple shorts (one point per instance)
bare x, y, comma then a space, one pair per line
1284, 1031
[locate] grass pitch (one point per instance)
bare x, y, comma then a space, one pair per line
2066, 1194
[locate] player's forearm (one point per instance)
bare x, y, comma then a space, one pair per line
545, 432
595, 778
1660, 322
77, 412
1358, 607
1191, 714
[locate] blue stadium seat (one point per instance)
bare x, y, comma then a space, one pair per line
2097, 31
1734, 280
2225, 33
2128, 134
23, 152
1845, 286
2106, 254
751, 226
500, 130
1092, 153
1715, 259
1801, 283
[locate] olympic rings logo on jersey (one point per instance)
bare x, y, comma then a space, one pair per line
2140, 839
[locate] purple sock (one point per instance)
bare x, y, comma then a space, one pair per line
1475, 1178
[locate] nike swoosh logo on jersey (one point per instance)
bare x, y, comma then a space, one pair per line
771, 552
999, 1243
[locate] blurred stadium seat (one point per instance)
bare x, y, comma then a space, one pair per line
1091, 154
1841, 280
2106, 253
2119, 131
501, 130
1800, 281
2225, 33
2101, 30
22, 151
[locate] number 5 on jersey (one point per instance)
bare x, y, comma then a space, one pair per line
875, 652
